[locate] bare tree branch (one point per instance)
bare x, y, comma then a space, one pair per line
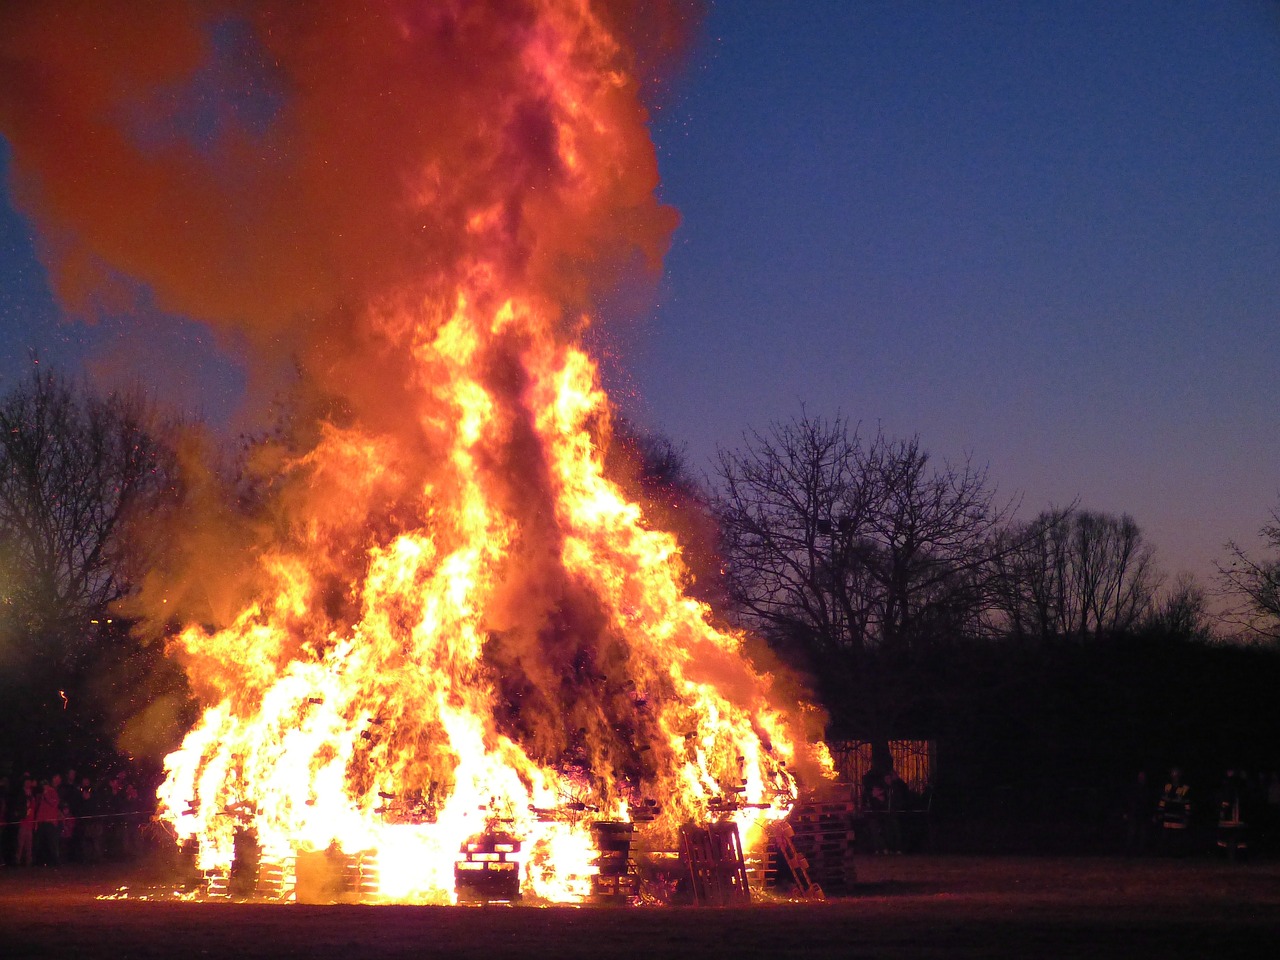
1254, 585
1076, 575
861, 553
72, 468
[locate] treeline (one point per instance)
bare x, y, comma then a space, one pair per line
1059, 733
1050, 658
79, 472
1041, 654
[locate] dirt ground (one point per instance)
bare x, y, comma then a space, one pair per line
903, 907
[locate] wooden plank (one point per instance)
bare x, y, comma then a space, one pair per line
798, 864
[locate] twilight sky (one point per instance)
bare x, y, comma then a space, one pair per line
1045, 235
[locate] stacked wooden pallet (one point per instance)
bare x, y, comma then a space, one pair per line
276, 878
616, 881
824, 836
217, 884
323, 876
785, 856
361, 876
812, 848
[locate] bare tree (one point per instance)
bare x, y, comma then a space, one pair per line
72, 468
1075, 574
1182, 612
861, 555
1254, 584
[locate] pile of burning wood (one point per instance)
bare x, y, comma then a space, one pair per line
709, 866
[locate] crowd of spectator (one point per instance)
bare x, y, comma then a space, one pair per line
84, 818
48, 820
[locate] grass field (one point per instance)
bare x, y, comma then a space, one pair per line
903, 907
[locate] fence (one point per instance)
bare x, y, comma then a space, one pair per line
914, 760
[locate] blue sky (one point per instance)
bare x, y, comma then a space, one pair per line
1042, 235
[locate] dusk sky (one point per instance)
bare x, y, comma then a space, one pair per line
1042, 235
1046, 235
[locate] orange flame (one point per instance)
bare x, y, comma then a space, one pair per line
512, 643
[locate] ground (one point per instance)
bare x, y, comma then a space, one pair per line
903, 907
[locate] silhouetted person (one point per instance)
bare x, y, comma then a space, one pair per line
90, 822
4, 820
48, 840
1271, 810
22, 855
898, 797
71, 801
875, 804
112, 804
883, 801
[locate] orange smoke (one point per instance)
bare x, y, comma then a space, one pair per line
275, 167
441, 597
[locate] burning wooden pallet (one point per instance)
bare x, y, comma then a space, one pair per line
617, 881
488, 870
329, 876
276, 879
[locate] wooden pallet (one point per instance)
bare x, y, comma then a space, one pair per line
831, 811
825, 835
782, 834
717, 872
276, 879
361, 876
615, 880
821, 837
217, 884
488, 870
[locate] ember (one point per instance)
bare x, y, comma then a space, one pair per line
467, 667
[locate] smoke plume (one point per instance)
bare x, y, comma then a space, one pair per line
297, 175
426, 583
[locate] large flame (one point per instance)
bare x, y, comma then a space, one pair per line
626, 694
460, 623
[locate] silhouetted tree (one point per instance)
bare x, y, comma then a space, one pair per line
862, 556
1076, 575
1182, 613
75, 468
1254, 584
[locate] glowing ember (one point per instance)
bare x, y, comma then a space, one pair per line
465, 644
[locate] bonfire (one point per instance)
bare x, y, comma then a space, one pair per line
456, 645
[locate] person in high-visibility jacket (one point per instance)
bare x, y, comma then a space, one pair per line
1174, 811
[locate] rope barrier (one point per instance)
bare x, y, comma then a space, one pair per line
92, 816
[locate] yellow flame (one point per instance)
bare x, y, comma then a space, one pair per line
520, 655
